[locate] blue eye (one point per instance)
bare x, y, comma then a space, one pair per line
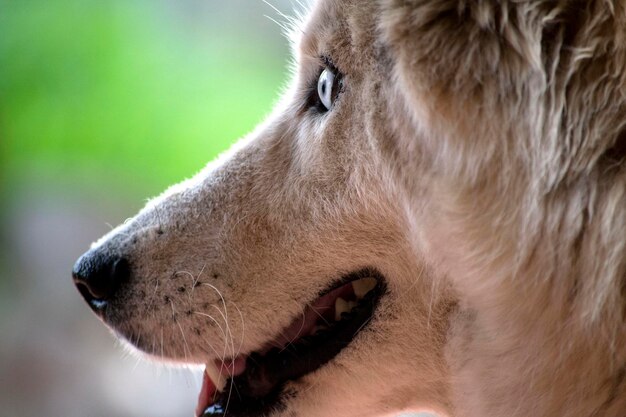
325, 88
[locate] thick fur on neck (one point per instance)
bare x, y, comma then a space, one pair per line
520, 109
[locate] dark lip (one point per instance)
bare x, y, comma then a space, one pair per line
242, 396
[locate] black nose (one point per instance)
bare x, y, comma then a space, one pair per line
98, 276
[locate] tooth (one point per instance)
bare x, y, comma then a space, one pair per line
363, 286
216, 376
343, 306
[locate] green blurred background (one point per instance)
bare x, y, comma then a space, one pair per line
107, 90
103, 104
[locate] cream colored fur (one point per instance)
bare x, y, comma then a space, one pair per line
475, 158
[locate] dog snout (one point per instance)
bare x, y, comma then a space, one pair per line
98, 276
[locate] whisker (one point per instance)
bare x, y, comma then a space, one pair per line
280, 25
217, 324
185, 345
183, 272
225, 314
243, 328
195, 282
320, 316
289, 19
289, 343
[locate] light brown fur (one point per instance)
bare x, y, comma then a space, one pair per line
475, 158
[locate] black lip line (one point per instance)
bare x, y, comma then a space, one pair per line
273, 400
365, 272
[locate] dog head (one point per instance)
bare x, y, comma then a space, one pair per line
426, 161
246, 266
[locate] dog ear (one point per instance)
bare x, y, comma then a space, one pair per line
466, 49
510, 77
463, 70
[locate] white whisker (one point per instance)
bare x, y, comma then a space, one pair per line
185, 345
290, 342
243, 328
217, 324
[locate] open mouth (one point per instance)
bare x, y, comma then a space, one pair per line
251, 385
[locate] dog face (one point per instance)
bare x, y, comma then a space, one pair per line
448, 174
224, 266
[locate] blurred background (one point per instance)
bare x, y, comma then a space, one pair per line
103, 104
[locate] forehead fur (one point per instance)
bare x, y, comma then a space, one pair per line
343, 31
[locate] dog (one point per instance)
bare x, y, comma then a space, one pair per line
433, 218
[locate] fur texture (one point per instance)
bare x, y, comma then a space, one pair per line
474, 157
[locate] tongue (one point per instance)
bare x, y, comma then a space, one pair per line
206, 395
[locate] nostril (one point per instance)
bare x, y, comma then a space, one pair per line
98, 276
94, 302
121, 270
